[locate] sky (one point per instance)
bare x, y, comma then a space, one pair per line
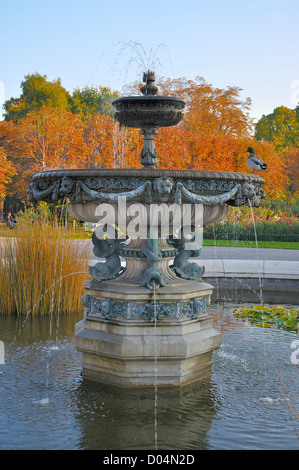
253, 45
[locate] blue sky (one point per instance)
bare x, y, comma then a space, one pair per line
252, 44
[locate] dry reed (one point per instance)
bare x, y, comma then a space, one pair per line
41, 270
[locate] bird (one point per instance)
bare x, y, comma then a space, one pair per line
254, 162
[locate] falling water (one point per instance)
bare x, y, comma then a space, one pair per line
156, 367
250, 288
32, 309
257, 253
215, 256
120, 146
260, 280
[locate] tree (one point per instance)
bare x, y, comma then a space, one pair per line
291, 158
280, 127
98, 135
209, 109
7, 170
214, 135
90, 101
44, 139
173, 148
37, 92
214, 119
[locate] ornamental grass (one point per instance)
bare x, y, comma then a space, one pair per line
41, 269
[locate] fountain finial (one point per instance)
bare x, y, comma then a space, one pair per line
149, 88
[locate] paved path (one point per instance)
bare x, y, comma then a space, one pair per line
233, 253
219, 252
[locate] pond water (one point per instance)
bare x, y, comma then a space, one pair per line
45, 403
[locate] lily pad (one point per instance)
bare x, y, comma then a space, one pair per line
266, 316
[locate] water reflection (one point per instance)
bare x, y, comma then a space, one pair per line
124, 419
45, 403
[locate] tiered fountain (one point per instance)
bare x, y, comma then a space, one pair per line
145, 318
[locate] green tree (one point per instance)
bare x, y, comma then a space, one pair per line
37, 92
280, 127
91, 100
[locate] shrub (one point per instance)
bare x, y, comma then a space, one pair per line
263, 223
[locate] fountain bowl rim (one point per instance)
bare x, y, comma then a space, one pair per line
147, 173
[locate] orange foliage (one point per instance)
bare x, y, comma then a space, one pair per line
98, 136
172, 145
6, 172
214, 135
110, 146
210, 110
46, 139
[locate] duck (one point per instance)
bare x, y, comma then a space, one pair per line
254, 162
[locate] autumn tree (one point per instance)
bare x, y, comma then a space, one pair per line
173, 148
209, 109
45, 139
214, 134
7, 170
37, 92
214, 119
110, 145
98, 136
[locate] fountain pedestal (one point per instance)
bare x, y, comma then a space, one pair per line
165, 338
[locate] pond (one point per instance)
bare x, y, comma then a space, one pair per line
45, 403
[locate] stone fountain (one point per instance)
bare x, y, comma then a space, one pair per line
145, 319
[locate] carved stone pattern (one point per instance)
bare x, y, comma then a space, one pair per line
113, 183
79, 190
125, 253
109, 309
208, 185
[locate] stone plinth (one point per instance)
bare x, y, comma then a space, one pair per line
165, 338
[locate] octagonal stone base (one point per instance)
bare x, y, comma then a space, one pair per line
142, 352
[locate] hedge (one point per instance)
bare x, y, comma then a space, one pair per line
265, 231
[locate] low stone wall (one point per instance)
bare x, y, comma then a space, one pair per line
253, 280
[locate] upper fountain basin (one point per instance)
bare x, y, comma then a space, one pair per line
149, 111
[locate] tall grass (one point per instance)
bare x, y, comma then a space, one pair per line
41, 270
